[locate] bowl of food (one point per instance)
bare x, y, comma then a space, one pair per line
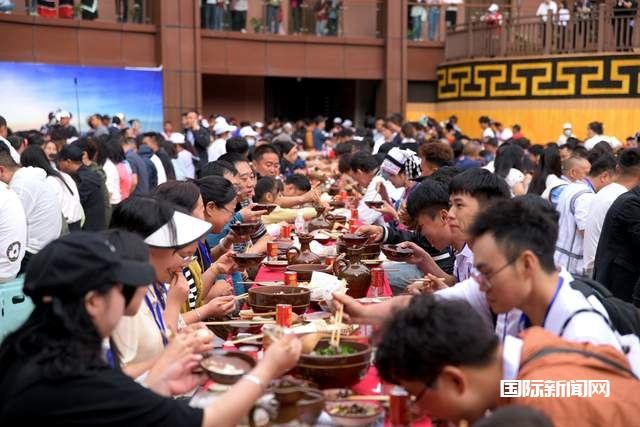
310, 406
374, 204
336, 219
333, 394
264, 207
245, 228
305, 271
264, 299
227, 367
337, 204
396, 253
334, 368
353, 414
276, 265
354, 239
248, 260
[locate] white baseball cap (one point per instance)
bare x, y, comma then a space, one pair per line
177, 138
62, 113
567, 126
222, 127
258, 124
247, 131
337, 120
347, 123
493, 8
187, 229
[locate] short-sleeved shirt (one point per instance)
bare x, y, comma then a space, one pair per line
573, 205
139, 168
13, 233
101, 397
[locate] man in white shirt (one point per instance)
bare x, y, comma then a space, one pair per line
629, 177
567, 132
3, 139
595, 132
366, 172
41, 206
150, 141
545, 7
218, 147
574, 205
487, 131
13, 233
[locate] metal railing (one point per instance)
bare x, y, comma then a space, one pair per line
600, 31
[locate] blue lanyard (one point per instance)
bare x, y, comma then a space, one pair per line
205, 254
156, 311
590, 184
524, 320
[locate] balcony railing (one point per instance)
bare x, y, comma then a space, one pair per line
124, 11
600, 31
328, 18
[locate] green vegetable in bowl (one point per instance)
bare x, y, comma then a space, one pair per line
332, 351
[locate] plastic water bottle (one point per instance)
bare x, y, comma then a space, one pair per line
299, 223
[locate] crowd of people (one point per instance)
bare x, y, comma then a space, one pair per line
522, 264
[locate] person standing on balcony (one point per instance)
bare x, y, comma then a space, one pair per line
493, 19
296, 15
543, 12
218, 13
320, 12
623, 12
273, 9
434, 19
582, 13
418, 16
239, 10
333, 17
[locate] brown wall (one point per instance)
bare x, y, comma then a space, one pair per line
234, 96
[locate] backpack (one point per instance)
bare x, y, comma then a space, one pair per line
624, 316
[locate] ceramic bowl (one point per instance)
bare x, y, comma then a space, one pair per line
353, 239
228, 367
248, 260
371, 412
264, 207
341, 371
264, 299
395, 253
276, 265
245, 228
374, 204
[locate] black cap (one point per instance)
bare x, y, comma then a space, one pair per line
80, 262
70, 152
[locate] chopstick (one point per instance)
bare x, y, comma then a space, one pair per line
242, 322
261, 283
335, 335
381, 398
249, 338
242, 296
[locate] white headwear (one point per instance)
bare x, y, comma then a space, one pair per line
493, 8
185, 228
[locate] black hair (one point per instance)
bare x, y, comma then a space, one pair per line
184, 194
550, 163
508, 156
515, 415
517, 225
419, 341
363, 161
87, 145
34, 156
218, 168
602, 147
385, 148
265, 185
143, 215
3, 122
299, 181
603, 163
5, 157
596, 127
284, 147
35, 138
344, 164
480, 184
343, 148
233, 158
445, 174
216, 190
536, 150
260, 151
363, 145
16, 140
629, 160
408, 130
237, 144
458, 148
570, 144
430, 197
484, 119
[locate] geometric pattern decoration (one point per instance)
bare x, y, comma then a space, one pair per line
559, 77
